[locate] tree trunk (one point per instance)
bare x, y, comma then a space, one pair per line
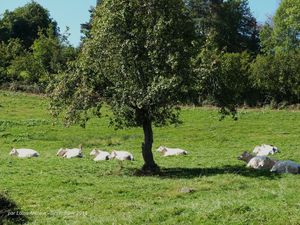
149, 164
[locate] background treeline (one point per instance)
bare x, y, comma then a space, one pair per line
236, 60
32, 49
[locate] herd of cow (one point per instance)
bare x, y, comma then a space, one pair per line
99, 155
259, 160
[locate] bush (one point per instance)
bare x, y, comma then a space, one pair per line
25, 68
223, 78
278, 76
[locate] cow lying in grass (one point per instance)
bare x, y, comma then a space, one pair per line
121, 155
264, 150
100, 155
264, 162
286, 166
257, 162
24, 153
171, 151
70, 152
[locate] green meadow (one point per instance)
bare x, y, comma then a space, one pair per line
52, 190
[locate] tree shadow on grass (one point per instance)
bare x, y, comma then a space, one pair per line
10, 212
189, 173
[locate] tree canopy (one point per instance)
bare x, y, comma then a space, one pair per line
231, 24
283, 31
275, 72
31, 48
25, 22
137, 61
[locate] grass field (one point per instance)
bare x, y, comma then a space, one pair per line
51, 190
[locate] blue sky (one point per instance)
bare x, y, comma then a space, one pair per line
72, 13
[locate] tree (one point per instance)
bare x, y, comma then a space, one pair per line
8, 52
287, 24
52, 53
278, 76
266, 38
137, 61
26, 69
231, 22
47, 50
222, 78
283, 31
276, 72
24, 23
86, 27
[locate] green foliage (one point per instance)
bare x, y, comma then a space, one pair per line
25, 68
276, 72
267, 41
287, 25
46, 49
234, 76
278, 76
137, 61
144, 56
31, 67
236, 28
38, 51
24, 23
231, 22
283, 33
85, 28
222, 78
8, 52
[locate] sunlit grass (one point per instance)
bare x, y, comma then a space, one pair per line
80, 191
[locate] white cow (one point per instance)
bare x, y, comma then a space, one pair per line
121, 155
261, 162
100, 155
73, 153
286, 166
257, 162
24, 153
171, 151
264, 150
70, 152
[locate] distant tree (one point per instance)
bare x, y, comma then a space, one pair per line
278, 76
31, 48
276, 72
25, 22
86, 27
283, 31
200, 11
8, 52
47, 50
26, 69
267, 42
287, 24
231, 22
137, 61
222, 78
52, 53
